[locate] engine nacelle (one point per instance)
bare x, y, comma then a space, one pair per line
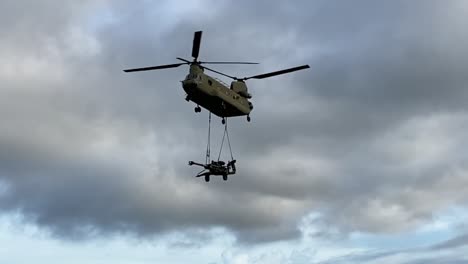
240, 88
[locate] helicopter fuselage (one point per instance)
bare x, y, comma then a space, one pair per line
215, 96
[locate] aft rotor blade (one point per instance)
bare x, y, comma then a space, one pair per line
196, 44
229, 76
227, 62
155, 67
270, 74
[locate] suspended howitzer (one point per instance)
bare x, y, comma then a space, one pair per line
216, 168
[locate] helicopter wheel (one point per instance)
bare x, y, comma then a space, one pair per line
197, 109
223, 121
248, 118
207, 178
225, 177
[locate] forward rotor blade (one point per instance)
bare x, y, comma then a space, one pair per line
218, 62
182, 59
229, 76
155, 67
227, 62
196, 44
270, 74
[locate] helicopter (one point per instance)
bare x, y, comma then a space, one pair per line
211, 93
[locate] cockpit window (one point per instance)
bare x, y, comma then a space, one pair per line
192, 76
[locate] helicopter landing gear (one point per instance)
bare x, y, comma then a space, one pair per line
207, 178
187, 98
248, 118
225, 177
223, 121
197, 109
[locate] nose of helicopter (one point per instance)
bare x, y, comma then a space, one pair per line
189, 85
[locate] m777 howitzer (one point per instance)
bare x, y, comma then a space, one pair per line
216, 168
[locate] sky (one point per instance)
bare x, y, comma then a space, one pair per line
359, 159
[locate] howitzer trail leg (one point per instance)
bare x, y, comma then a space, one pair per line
190, 163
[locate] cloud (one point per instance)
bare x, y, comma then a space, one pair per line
459, 241
371, 136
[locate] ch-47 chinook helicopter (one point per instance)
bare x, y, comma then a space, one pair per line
211, 93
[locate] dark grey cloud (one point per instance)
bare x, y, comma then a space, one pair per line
370, 137
440, 253
439, 260
456, 242
397, 257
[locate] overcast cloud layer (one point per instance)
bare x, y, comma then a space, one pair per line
371, 139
